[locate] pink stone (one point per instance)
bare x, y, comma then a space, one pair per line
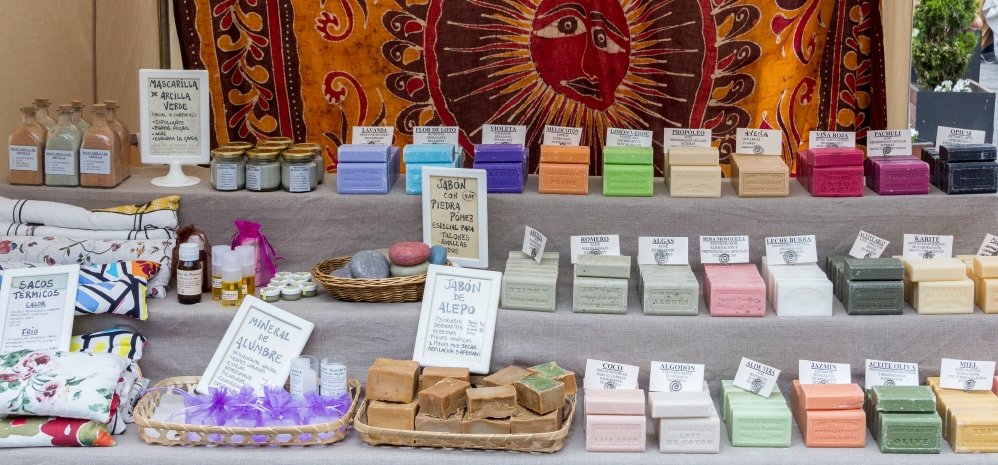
615, 433
409, 253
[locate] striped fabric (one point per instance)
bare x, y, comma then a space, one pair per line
122, 342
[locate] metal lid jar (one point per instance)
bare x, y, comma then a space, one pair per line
228, 169
298, 171
263, 170
320, 163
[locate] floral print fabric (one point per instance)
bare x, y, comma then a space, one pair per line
52, 432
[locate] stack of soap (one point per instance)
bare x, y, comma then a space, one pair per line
734, 290
417, 156
505, 166
870, 286
601, 283
970, 418
668, 290
615, 420
391, 390
985, 275
628, 171
835, 172
968, 169
938, 286
367, 169
551, 370
897, 175
760, 176
798, 290
903, 419
753, 420
686, 422
830, 415
930, 155
564, 169
694, 172
528, 285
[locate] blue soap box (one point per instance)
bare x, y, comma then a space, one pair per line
367, 168
417, 156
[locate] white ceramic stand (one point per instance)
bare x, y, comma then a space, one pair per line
176, 177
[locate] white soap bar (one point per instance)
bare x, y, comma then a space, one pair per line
689, 435
683, 404
803, 297
986, 267
934, 269
944, 297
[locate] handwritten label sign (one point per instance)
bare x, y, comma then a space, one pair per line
37, 306
755, 377
956, 136
374, 135
174, 116
559, 135
504, 134
608, 244
812, 372
257, 349
989, 248
681, 137
724, 249
885, 373
616, 137
927, 246
455, 214
534, 243
663, 251
831, 139
457, 322
435, 135
676, 377
790, 250
759, 141
888, 143
868, 246
967, 375
601, 374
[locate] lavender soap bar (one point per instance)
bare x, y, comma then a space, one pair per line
367, 169
504, 164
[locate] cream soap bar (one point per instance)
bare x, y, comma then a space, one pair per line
986, 267
603, 266
695, 435
693, 156
934, 269
599, 295
682, 404
944, 297
668, 290
760, 176
695, 181
615, 402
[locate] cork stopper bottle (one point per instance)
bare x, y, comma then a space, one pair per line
26, 153
78, 119
124, 137
100, 153
42, 113
62, 151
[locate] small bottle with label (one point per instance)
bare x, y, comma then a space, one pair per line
189, 274
303, 376
26, 150
62, 151
232, 281
334, 376
99, 153
217, 254
247, 260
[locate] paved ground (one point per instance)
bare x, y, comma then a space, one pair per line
989, 79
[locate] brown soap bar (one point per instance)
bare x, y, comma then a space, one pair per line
392, 380
557, 373
451, 424
506, 377
444, 398
434, 375
491, 402
392, 415
527, 422
540, 394
484, 425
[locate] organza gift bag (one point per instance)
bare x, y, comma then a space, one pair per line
248, 233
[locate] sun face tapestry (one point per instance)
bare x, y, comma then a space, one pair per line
313, 69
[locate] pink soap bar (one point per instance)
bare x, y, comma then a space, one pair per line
734, 290
900, 175
830, 397
838, 181
994, 386
823, 158
615, 401
615, 433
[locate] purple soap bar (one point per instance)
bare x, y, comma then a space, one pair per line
504, 177
905, 175
364, 153
820, 158
500, 153
364, 178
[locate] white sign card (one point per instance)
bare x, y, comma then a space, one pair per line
989, 248
595, 245
790, 250
663, 251
831, 140
456, 215
755, 377
956, 136
257, 349
888, 143
616, 137
37, 306
435, 135
609, 375
374, 135
966, 375
174, 116
675, 377
868, 246
812, 372
885, 373
457, 321
724, 249
504, 134
534, 243
559, 135
759, 141
927, 246
681, 137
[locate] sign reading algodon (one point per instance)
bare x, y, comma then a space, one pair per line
455, 214
37, 306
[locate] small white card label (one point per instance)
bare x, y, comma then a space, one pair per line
435, 135
884, 373
595, 245
966, 375
504, 134
687, 137
989, 248
380, 135
831, 140
790, 250
868, 246
812, 372
95, 161
609, 375
924, 246
663, 251
616, 137
23, 158
61, 162
888, 143
559, 135
759, 141
724, 249
675, 377
954, 136
534, 243
756, 378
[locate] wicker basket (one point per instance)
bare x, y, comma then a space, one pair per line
388, 290
538, 442
182, 434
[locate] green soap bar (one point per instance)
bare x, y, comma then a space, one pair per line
599, 295
830, 270
628, 156
904, 399
603, 266
549, 370
872, 415
547, 258
628, 181
759, 426
669, 296
874, 297
729, 391
523, 291
528, 268
910, 433
874, 269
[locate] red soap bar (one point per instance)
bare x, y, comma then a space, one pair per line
822, 158
838, 181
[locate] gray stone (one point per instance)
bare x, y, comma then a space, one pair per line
343, 273
438, 255
399, 271
369, 264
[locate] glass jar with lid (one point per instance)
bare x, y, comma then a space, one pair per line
320, 163
286, 141
228, 169
237, 145
263, 170
298, 171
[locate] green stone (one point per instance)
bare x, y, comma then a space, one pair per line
910, 433
874, 297
628, 180
628, 156
874, 269
904, 399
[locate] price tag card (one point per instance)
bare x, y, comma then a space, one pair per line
663, 251
989, 248
374, 135
925, 246
435, 135
756, 378
558, 135
616, 137
687, 137
759, 141
676, 377
954, 136
610, 375
595, 245
966, 375
789, 250
504, 134
812, 372
868, 246
534, 243
884, 373
724, 249
832, 140
888, 143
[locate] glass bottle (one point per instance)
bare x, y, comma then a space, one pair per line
26, 150
62, 151
78, 118
217, 254
124, 137
334, 376
42, 115
189, 274
232, 280
100, 153
247, 260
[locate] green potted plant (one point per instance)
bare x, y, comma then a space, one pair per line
942, 45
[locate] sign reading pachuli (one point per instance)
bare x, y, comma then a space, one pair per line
455, 214
37, 306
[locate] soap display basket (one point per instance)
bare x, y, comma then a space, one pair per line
534, 442
183, 434
388, 290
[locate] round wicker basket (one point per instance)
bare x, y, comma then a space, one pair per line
388, 290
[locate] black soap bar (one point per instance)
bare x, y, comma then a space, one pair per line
969, 178
962, 153
930, 155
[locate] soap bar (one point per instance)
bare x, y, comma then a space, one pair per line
669, 294
491, 402
802, 296
615, 402
603, 266
903, 399
428, 153
930, 155
506, 377
960, 153
527, 285
874, 269
874, 297
527, 422
615, 433
944, 297
830, 157
364, 153
759, 426
365, 178
414, 176
392, 415
695, 181
834, 428
444, 398
837, 181
553, 371
599, 295
986, 267
693, 156
500, 153
682, 404
760, 176
934, 269
393, 380
451, 424
628, 155
504, 177
968, 178
540, 394
434, 375
987, 295
628, 180
974, 430
831, 396
571, 154
734, 290
563, 178
909, 433
700, 435
905, 175
485, 425
830, 270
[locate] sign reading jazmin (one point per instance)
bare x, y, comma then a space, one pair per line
812, 372
724, 249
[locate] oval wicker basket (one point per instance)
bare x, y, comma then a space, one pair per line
388, 290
